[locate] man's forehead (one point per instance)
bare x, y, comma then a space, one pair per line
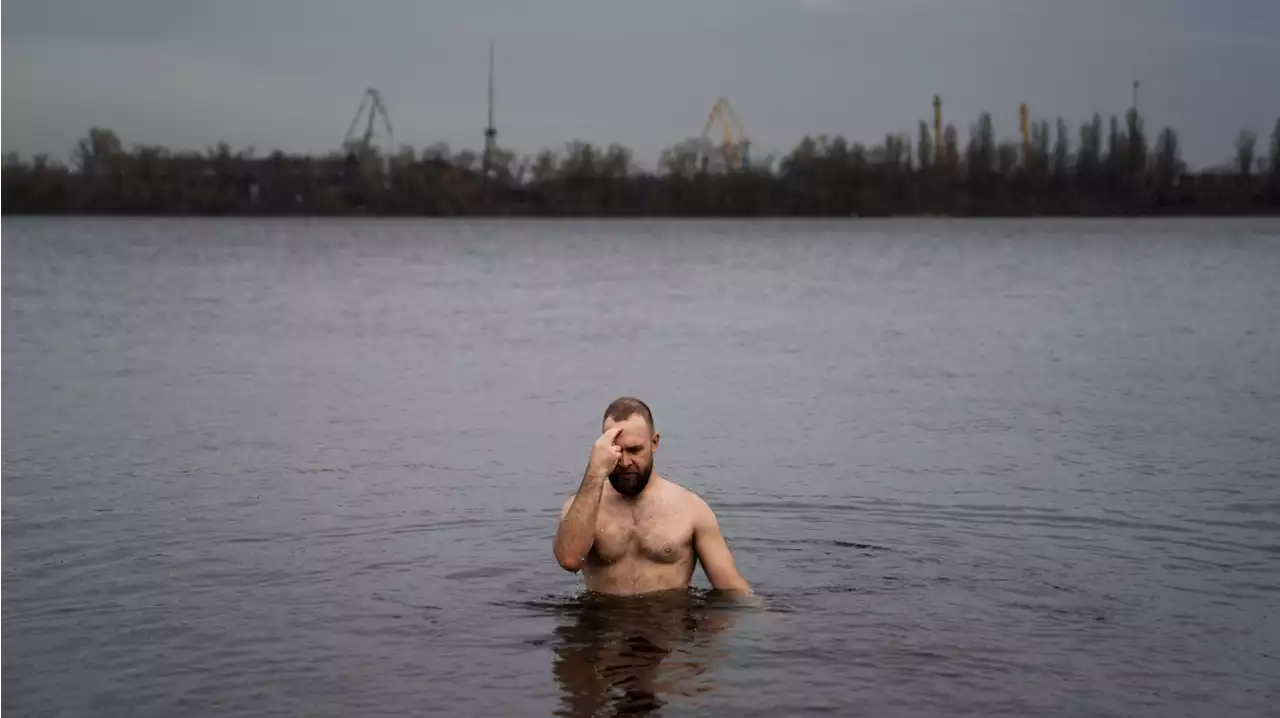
634, 428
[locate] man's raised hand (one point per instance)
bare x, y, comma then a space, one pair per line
605, 454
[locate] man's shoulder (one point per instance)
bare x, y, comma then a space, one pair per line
684, 496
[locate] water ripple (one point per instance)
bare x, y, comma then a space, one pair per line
314, 467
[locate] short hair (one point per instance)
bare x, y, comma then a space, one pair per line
625, 407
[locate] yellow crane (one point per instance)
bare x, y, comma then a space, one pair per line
736, 144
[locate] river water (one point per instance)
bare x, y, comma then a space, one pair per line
293, 467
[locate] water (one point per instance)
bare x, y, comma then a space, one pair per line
1007, 468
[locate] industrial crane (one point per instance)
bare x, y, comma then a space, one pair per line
372, 102
736, 144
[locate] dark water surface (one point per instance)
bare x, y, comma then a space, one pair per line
312, 468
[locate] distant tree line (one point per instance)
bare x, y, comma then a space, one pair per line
1109, 169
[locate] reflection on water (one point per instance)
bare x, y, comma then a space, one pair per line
627, 655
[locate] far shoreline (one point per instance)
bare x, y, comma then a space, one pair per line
386, 217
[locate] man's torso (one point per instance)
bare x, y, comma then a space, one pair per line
646, 546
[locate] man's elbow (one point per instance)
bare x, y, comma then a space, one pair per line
568, 562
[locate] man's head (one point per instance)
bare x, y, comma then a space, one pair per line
638, 441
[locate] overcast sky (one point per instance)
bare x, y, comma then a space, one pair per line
289, 73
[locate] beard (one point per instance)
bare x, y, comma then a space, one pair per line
631, 483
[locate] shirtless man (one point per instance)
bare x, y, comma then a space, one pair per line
631, 531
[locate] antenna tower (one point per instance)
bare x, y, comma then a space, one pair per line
490, 132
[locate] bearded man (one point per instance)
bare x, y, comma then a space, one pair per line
631, 531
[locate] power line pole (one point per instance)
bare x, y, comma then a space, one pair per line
1135, 95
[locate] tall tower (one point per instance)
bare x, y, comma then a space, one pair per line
937, 131
1026, 135
490, 132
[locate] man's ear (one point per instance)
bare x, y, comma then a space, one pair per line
656, 436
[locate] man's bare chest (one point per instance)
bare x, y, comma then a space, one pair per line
646, 536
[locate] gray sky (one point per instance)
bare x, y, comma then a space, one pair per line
289, 73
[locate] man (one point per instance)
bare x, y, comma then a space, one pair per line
631, 531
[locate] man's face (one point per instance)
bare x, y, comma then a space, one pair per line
638, 444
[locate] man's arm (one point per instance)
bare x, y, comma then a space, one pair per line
713, 552
577, 530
